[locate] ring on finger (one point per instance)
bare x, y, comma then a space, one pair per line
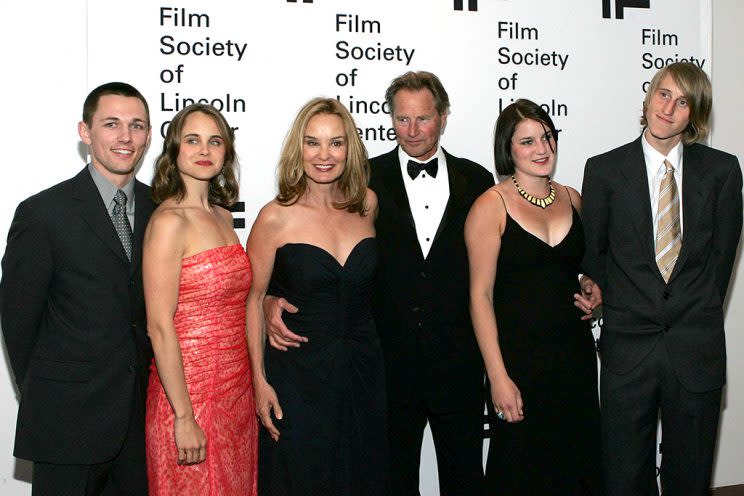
500, 415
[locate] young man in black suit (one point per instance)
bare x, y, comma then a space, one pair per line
663, 216
433, 365
73, 314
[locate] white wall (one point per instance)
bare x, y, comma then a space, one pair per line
44, 57
728, 134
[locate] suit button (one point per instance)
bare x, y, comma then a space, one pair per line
422, 274
420, 325
667, 327
133, 325
131, 368
666, 295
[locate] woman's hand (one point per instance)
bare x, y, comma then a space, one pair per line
266, 400
507, 399
190, 441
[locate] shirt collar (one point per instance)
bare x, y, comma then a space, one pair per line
403, 157
655, 159
108, 190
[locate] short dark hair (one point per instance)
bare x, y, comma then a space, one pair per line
506, 124
695, 85
167, 182
415, 81
115, 88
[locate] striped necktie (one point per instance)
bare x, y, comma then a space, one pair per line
669, 233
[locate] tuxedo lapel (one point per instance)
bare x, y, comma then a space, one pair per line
391, 185
93, 212
458, 192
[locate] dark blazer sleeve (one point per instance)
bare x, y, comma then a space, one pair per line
595, 216
27, 274
726, 233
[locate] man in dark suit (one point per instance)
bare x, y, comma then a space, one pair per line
433, 365
73, 313
663, 216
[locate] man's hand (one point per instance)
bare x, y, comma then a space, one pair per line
590, 299
279, 336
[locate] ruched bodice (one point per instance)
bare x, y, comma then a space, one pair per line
331, 389
210, 326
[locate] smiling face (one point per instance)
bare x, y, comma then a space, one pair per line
117, 137
417, 123
533, 148
324, 148
667, 115
201, 152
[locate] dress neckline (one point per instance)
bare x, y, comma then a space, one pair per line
211, 250
323, 250
542, 241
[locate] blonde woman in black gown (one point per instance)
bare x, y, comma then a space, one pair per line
525, 244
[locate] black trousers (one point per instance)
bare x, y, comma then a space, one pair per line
631, 404
458, 441
124, 475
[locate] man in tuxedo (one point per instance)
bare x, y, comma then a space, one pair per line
433, 365
663, 216
73, 314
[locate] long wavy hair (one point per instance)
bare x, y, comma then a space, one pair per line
352, 184
167, 182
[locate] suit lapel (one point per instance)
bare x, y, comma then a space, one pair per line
143, 208
93, 212
634, 170
692, 202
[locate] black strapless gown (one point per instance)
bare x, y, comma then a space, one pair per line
550, 355
332, 389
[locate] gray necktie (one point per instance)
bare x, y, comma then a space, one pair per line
121, 222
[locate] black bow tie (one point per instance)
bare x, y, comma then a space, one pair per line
415, 168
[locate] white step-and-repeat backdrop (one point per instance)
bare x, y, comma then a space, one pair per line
586, 61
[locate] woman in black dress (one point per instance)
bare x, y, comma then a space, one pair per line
322, 405
525, 244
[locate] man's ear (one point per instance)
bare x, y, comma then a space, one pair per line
84, 132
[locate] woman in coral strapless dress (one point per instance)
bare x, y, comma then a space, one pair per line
201, 428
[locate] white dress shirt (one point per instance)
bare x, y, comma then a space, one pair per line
427, 197
655, 171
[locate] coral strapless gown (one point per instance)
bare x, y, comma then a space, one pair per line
210, 324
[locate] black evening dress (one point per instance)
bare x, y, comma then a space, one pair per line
331, 389
550, 355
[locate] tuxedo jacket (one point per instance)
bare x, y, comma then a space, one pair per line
421, 304
73, 318
640, 309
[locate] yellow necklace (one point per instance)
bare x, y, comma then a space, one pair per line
538, 202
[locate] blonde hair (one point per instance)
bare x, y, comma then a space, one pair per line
352, 183
695, 85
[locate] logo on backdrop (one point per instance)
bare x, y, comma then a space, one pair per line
472, 5
238, 208
621, 5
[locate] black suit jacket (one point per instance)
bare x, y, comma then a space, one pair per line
73, 318
639, 307
421, 305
